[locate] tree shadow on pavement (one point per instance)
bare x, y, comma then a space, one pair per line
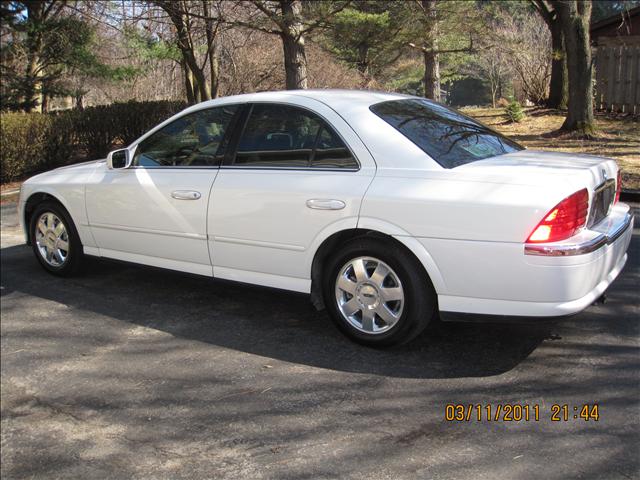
267, 322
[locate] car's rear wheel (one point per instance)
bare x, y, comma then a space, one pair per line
54, 239
377, 293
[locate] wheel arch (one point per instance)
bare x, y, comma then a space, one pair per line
406, 242
34, 199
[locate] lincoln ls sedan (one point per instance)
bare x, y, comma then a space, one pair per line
389, 210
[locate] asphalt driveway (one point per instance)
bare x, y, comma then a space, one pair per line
132, 372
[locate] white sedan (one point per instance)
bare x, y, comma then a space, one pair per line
387, 209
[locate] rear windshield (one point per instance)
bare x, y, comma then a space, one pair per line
447, 136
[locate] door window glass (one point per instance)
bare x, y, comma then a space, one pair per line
194, 140
286, 136
331, 152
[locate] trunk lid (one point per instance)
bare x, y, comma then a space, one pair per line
552, 169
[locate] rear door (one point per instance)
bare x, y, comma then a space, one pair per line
299, 173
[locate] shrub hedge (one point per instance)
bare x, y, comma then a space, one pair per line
33, 142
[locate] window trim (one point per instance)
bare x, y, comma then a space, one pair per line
230, 155
228, 134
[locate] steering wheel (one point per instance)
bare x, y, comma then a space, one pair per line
183, 153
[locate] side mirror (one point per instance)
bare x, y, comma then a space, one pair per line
119, 159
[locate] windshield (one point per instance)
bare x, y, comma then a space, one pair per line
447, 136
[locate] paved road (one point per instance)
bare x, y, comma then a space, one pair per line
131, 372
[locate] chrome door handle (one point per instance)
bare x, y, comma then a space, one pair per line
325, 204
185, 195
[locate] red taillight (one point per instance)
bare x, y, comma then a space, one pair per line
618, 186
564, 220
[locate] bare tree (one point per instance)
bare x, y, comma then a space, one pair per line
494, 64
191, 18
525, 40
195, 81
284, 19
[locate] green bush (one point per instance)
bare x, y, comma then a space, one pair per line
514, 111
136, 118
28, 143
34, 142
99, 128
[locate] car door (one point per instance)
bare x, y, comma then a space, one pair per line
155, 212
298, 173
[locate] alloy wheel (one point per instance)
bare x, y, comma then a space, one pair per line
369, 295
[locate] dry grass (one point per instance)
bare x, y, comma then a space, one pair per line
617, 138
6, 195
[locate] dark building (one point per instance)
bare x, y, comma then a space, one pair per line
620, 29
616, 42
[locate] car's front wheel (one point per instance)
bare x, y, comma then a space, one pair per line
54, 239
377, 293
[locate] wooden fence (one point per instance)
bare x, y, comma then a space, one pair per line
618, 78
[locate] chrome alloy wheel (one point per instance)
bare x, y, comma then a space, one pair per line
52, 239
369, 295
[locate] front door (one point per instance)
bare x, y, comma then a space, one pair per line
155, 212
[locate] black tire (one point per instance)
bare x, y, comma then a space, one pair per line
73, 260
420, 299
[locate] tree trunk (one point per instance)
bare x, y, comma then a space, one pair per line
363, 59
431, 76
494, 92
431, 80
204, 93
559, 86
575, 16
188, 83
214, 67
295, 57
33, 85
44, 108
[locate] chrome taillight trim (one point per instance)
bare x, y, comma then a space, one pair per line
569, 249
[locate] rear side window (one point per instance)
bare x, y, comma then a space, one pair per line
447, 136
287, 136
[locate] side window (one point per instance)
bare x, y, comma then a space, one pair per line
286, 136
331, 152
194, 140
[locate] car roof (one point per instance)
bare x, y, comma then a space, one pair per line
334, 98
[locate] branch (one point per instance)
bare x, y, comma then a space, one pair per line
269, 13
252, 26
545, 12
424, 49
322, 22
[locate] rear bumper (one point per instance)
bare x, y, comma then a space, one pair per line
492, 307
493, 278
